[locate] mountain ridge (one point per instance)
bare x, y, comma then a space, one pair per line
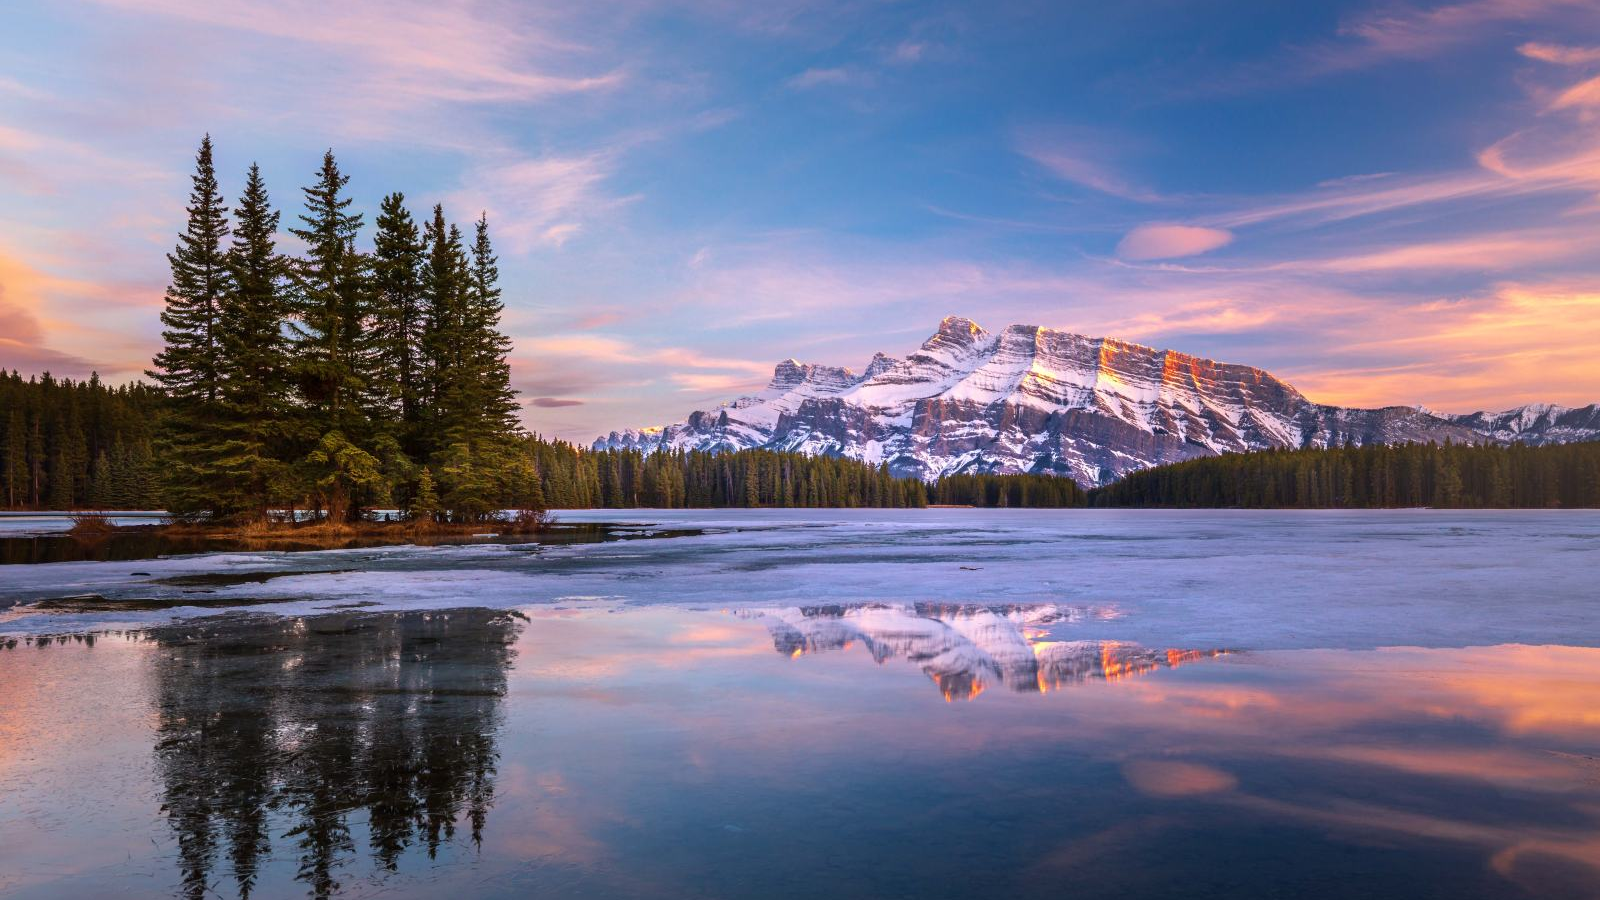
1034, 399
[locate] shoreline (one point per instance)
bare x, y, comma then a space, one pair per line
98, 525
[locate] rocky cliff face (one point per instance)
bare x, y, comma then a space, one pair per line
1030, 399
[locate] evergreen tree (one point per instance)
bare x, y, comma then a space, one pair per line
331, 287
189, 365
397, 329
443, 298
488, 379
425, 503
329, 283
256, 412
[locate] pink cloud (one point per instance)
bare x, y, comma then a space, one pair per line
1220, 314
441, 49
1582, 94
1560, 55
1411, 31
1160, 241
726, 386
1472, 254
600, 348
23, 340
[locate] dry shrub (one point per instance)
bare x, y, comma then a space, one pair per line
530, 520
91, 524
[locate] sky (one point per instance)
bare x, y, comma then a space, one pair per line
1382, 203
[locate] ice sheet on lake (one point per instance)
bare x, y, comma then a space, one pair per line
1251, 580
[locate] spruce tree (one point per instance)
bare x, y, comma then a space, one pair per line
443, 297
396, 369
189, 365
330, 286
257, 422
328, 283
489, 378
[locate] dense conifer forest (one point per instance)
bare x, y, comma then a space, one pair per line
77, 444
1374, 476
1007, 491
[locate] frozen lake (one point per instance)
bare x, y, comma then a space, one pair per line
773, 704
1263, 580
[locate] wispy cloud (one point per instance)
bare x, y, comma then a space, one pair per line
1479, 253
1582, 94
1415, 31
1083, 157
1167, 241
835, 76
448, 50
532, 201
906, 52
1389, 33
1560, 54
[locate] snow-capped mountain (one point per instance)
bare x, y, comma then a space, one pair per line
1032, 399
967, 649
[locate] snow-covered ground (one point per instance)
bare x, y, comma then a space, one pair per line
1233, 579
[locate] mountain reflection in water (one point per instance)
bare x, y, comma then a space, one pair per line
294, 728
966, 649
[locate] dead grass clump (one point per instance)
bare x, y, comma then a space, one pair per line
528, 521
85, 524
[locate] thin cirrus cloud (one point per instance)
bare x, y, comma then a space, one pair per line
1560, 54
1083, 160
1582, 94
535, 201
440, 49
1477, 253
1168, 241
820, 77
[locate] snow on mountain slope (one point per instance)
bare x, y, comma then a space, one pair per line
1032, 399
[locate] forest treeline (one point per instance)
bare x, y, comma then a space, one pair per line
78, 444
1374, 476
85, 445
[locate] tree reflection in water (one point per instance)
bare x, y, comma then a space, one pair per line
312, 728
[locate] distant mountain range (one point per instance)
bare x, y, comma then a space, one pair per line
1031, 399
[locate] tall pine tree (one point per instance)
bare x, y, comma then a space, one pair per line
189, 366
494, 400
443, 286
396, 368
331, 284
256, 410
